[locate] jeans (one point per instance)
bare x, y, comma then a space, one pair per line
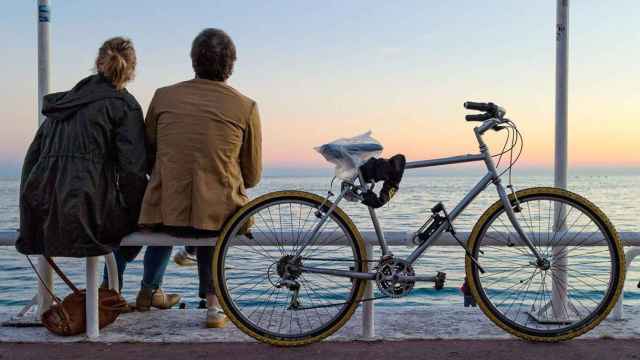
156, 259
204, 255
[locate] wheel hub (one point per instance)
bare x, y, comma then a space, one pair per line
289, 267
543, 264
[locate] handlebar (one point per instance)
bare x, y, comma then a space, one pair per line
478, 117
491, 110
470, 105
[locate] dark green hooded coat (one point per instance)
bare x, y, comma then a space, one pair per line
85, 173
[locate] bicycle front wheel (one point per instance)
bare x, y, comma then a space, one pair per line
260, 279
568, 293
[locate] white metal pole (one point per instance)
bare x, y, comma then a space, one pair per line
44, 17
559, 284
44, 299
91, 303
368, 313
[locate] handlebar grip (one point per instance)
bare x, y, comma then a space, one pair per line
470, 105
478, 117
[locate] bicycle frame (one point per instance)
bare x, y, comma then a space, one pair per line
492, 176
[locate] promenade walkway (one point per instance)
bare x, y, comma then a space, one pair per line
437, 322
407, 349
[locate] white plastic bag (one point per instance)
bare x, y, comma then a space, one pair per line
347, 154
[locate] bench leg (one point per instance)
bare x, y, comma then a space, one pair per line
92, 322
44, 298
112, 272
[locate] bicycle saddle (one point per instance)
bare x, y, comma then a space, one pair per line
342, 152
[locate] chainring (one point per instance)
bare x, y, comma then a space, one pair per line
387, 270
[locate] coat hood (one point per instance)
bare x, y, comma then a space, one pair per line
62, 105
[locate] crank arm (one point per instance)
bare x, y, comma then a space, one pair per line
404, 278
439, 279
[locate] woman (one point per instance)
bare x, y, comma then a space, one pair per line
84, 175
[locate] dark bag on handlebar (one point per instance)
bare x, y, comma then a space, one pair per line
388, 170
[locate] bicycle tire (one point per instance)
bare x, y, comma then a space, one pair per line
242, 216
616, 280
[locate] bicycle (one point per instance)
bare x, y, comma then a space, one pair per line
543, 263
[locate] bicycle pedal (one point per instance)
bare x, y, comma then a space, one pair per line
440, 280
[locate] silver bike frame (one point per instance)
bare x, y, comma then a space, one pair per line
491, 176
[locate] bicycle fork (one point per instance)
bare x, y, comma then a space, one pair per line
491, 166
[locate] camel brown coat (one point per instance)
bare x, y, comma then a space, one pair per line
205, 151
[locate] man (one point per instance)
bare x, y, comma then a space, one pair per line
204, 143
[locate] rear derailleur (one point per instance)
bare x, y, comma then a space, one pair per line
288, 271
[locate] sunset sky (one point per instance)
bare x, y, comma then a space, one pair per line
320, 70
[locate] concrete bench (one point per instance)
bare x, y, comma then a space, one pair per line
8, 237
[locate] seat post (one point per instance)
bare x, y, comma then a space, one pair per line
374, 220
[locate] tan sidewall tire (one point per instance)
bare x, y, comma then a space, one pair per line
497, 206
357, 237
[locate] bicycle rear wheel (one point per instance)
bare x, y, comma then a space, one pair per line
569, 293
258, 278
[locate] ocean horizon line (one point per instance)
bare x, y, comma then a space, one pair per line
451, 171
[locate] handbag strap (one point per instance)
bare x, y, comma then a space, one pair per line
53, 296
62, 275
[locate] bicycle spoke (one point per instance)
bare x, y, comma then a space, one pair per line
522, 291
255, 270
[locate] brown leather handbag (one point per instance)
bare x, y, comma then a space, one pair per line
68, 317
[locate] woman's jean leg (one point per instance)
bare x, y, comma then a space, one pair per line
156, 259
123, 255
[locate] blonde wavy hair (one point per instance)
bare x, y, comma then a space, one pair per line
117, 61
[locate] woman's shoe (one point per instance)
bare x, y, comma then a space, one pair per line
148, 298
216, 318
183, 258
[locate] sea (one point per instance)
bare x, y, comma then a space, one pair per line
617, 195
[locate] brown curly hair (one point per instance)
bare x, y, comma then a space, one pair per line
213, 55
116, 61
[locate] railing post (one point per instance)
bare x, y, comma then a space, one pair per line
368, 314
629, 256
91, 304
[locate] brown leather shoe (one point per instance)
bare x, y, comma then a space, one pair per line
148, 298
